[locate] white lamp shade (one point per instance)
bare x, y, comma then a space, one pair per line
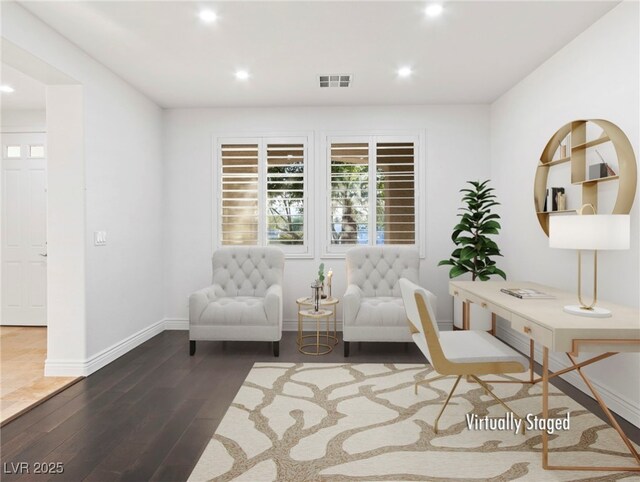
601, 231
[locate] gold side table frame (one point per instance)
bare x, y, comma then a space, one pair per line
320, 348
326, 303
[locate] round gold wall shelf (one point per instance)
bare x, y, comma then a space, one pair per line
627, 171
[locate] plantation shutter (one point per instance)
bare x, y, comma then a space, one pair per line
395, 193
240, 194
349, 205
285, 194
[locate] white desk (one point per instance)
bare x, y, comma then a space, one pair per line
545, 322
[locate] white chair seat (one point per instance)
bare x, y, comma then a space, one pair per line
472, 347
382, 311
239, 310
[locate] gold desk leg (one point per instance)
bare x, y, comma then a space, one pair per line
545, 406
466, 311
605, 409
299, 340
532, 357
577, 365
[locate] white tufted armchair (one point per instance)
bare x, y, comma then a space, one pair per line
373, 308
245, 300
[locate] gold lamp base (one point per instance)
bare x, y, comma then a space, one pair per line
592, 312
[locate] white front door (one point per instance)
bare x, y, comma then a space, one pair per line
24, 229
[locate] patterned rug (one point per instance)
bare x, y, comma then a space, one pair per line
312, 421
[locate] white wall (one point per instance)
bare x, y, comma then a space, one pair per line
596, 76
123, 179
66, 212
23, 120
457, 147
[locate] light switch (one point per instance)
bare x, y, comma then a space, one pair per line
100, 238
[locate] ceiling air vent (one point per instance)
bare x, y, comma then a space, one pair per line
335, 80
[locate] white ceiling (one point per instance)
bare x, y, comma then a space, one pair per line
28, 93
473, 53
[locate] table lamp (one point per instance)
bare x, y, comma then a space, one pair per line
589, 232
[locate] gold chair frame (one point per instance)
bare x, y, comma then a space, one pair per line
446, 368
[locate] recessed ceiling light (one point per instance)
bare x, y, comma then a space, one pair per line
433, 10
7, 89
242, 75
208, 16
404, 71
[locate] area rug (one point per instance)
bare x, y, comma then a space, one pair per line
311, 421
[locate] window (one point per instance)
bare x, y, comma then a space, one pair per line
36, 151
285, 194
14, 152
240, 194
263, 195
372, 182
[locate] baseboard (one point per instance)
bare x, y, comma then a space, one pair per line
445, 325
64, 368
288, 325
76, 368
620, 405
176, 324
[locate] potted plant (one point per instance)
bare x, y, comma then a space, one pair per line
474, 246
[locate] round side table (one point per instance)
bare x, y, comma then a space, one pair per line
326, 303
320, 348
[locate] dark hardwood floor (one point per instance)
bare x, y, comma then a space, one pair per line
150, 414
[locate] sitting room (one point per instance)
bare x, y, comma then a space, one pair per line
309, 240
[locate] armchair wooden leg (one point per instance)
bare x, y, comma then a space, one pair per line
346, 349
276, 348
192, 347
455, 385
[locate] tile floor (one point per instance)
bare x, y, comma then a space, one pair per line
23, 350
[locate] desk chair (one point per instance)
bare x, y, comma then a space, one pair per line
456, 353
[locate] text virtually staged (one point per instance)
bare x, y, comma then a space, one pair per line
510, 423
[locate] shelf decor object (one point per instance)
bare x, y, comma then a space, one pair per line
584, 232
577, 132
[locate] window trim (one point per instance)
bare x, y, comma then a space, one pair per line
329, 250
262, 139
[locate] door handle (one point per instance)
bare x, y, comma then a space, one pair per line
44, 255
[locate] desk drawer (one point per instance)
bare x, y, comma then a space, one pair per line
465, 295
528, 328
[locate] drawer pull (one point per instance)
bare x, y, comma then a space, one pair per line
484, 305
455, 293
527, 330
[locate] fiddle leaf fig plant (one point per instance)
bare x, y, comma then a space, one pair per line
472, 234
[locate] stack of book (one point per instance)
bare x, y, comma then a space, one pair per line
551, 201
